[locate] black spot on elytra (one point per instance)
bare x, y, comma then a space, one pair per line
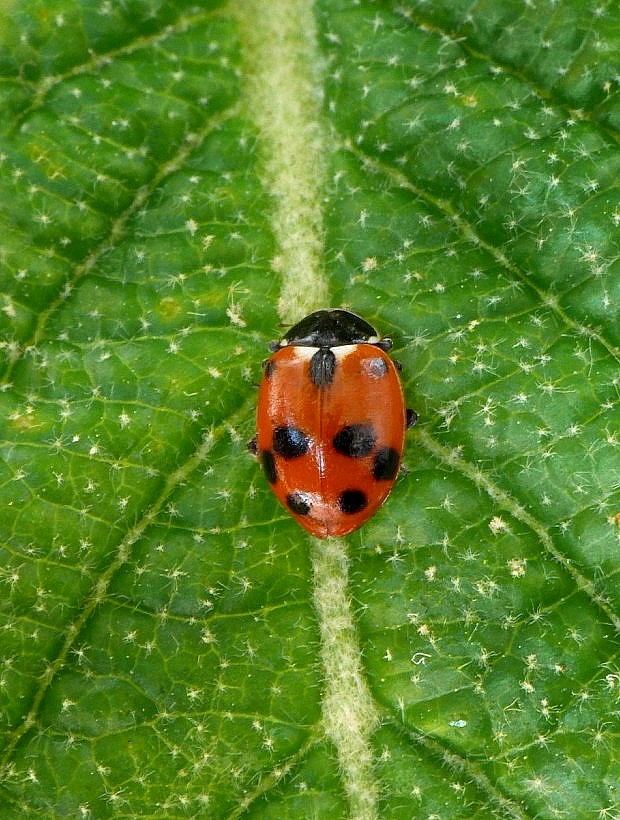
268, 368
269, 466
355, 440
298, 503
352, 501
386, 464
290, 442
322, 367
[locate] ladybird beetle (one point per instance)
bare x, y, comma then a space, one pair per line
331, 422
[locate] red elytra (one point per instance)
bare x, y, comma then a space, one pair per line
331, 422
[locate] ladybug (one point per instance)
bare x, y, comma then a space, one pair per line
331, 422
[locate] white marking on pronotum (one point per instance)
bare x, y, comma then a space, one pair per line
305, 352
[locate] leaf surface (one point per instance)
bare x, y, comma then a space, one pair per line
177, 181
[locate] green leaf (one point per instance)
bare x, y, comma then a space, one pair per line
176, 181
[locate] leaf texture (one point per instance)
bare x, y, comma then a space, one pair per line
177, 181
